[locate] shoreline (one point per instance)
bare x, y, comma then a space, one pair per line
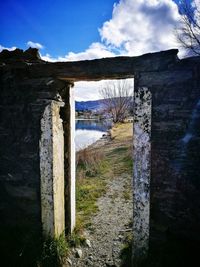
89, 119
106, 138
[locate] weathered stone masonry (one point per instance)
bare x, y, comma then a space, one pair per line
166, 145
142, 171
32, 177
175, 173
52, 170
175, 158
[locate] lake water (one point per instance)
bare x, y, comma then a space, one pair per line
89, 131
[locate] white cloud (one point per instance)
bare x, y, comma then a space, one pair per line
142, 26
49, 58
34, 45
136, 27
7, 48
95, 50
90, 90
87, 90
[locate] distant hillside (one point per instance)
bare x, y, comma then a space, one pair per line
89, 105
92, 105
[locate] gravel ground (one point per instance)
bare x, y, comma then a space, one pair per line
108, 228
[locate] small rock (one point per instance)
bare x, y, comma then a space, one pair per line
110, 264
120, 237
91, 258
79, 252
89, 263
88, 243
69, 261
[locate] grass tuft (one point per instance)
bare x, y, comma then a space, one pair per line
54, 251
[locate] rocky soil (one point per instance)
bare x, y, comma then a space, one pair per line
109, 228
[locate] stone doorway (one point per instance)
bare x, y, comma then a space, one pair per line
58, 205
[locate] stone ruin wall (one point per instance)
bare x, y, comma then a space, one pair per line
175, 150
24, 106
175, 141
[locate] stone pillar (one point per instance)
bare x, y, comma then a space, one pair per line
141, 173
52, 171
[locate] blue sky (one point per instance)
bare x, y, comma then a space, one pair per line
60, 26
86, 29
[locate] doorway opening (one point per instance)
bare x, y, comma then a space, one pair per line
104, 167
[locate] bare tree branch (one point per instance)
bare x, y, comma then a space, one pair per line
117, 96
188, 33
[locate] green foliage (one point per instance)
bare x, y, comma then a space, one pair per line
91, 179
119, 150
54, 250
88, 190
121, 160
76, 239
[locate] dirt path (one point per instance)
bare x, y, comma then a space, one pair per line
109, 227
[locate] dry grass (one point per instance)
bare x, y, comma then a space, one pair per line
88, 157
122, 132
88, 162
